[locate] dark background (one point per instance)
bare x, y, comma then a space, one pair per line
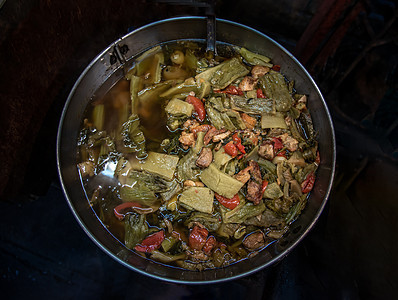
350, 48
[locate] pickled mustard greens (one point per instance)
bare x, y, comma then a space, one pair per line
199, 164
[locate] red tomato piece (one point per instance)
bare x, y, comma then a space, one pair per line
232, 90
198, 106
230, 203
151, 242
210, 244
260, 93
197, 238
231, 149
308, 183
277, 144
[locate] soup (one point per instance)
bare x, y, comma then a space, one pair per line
198, 161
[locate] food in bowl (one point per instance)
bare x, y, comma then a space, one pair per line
197, 161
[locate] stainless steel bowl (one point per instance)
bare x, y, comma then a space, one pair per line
107, 68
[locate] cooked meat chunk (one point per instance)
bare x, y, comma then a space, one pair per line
244, 175
255, 171
258, 71
187, 139
290, 143
247, 84
249, 121
205, 158
209, 135
266, 150
221, 136
254, 241
254, 193
190, 124
203, 128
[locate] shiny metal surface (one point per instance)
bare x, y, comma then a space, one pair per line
101, 75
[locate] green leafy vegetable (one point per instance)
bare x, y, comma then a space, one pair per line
133, 137
135, 228
274, 87
254, 58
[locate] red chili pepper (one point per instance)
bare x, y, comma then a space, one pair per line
240, 156
198, 106
282, 153
197, 238
230, 203
276, 68
231, 149
318, 158
151, 242
264, 186
308, 183
241, 148
232, 90
260, 93
121, 210
277, 144
238, 143
210, 244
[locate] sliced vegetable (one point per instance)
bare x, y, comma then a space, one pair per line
186, 168
197, 198
252, 105
210, 221
220, 182
98, 116
275, 87
273, 121
273, 191
224, 74
136, 85
254, 58
241, 213
221, 157
179, 107
163, 165
133, 137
